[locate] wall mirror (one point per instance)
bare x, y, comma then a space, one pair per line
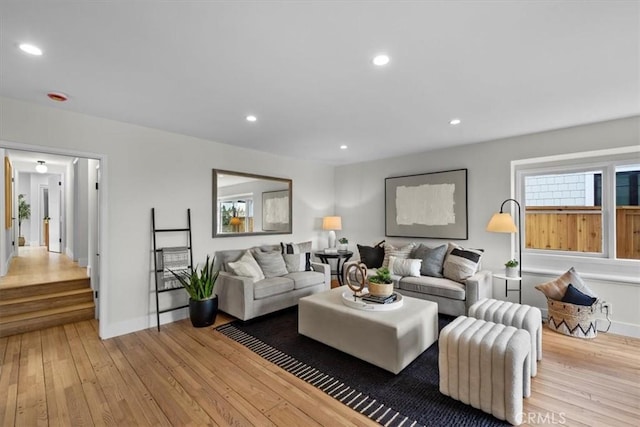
247, 204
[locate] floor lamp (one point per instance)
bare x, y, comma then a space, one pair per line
502, 222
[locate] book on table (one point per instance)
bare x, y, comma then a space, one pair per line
379, 299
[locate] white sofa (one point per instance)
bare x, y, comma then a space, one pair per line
453, 297
245, 299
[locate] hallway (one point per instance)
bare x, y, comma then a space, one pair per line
35, 265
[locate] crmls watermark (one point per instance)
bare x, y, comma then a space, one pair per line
547, 418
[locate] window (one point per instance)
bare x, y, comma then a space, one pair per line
581, 209
235, 215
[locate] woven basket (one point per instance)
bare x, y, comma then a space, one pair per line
574, 320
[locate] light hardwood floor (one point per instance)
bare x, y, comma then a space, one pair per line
182, 375
35, 265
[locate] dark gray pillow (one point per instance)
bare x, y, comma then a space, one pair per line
432, 259
271, 263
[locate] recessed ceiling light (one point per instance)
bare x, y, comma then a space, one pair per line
343, 147
30, 49
57, 96
251, 118
381, 60
455, 122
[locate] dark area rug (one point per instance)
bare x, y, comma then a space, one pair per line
410, 398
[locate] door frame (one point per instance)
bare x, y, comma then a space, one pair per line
103, 225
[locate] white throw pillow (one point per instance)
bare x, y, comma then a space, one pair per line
247, 266
390, 250
404, 267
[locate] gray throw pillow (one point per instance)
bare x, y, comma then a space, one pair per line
295, 262
432, 259
271, 263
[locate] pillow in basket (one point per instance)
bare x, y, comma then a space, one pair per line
556, 288
574, 296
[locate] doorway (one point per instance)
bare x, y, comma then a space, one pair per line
59, 197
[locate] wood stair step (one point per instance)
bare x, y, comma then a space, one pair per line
12, 292
42, 302
31, 321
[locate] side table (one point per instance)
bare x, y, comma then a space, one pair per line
340, 256
506, 285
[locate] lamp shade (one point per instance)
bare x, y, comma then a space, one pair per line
235, 221
332, 223
502, 223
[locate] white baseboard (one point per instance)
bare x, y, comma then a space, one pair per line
146, 322
83, 262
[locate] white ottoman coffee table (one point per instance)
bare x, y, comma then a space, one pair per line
388, 339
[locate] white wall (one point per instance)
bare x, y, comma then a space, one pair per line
144, 168
81, 212
360, 199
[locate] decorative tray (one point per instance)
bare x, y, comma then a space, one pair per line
358, 303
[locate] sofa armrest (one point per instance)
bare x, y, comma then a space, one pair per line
324, 269
235, 295
479, 286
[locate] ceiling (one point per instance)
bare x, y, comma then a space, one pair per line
303, 68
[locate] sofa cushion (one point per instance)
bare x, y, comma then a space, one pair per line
246, 266
271, 263
404, 267
461, 263
398, 252
372, 256
304, 279
432, 259
298, 248
295, 262
272, 286
434, 286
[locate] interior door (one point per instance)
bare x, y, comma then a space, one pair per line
55, 205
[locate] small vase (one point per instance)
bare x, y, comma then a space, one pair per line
343, 246
512, 271
380, 289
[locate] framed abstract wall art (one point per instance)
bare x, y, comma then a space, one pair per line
276, 211
429, 205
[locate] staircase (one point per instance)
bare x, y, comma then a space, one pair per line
34, 307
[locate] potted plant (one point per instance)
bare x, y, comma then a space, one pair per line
344, 244
199, 284
511, 268
24, 213
381, 284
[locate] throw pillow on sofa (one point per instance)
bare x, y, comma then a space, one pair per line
372, 256
271, 263
303, 248
432, 259
461, 263
404, 267
390, 250
556, 288
246, 266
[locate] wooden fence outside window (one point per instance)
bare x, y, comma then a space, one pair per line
579, 229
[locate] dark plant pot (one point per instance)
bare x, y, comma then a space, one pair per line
203, 313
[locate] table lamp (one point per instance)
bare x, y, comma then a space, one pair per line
332, 223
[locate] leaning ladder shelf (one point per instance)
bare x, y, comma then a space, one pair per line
158, 254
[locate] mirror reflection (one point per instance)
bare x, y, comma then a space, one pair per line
248, 204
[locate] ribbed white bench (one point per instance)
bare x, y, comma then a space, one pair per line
485, 365
517, 315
